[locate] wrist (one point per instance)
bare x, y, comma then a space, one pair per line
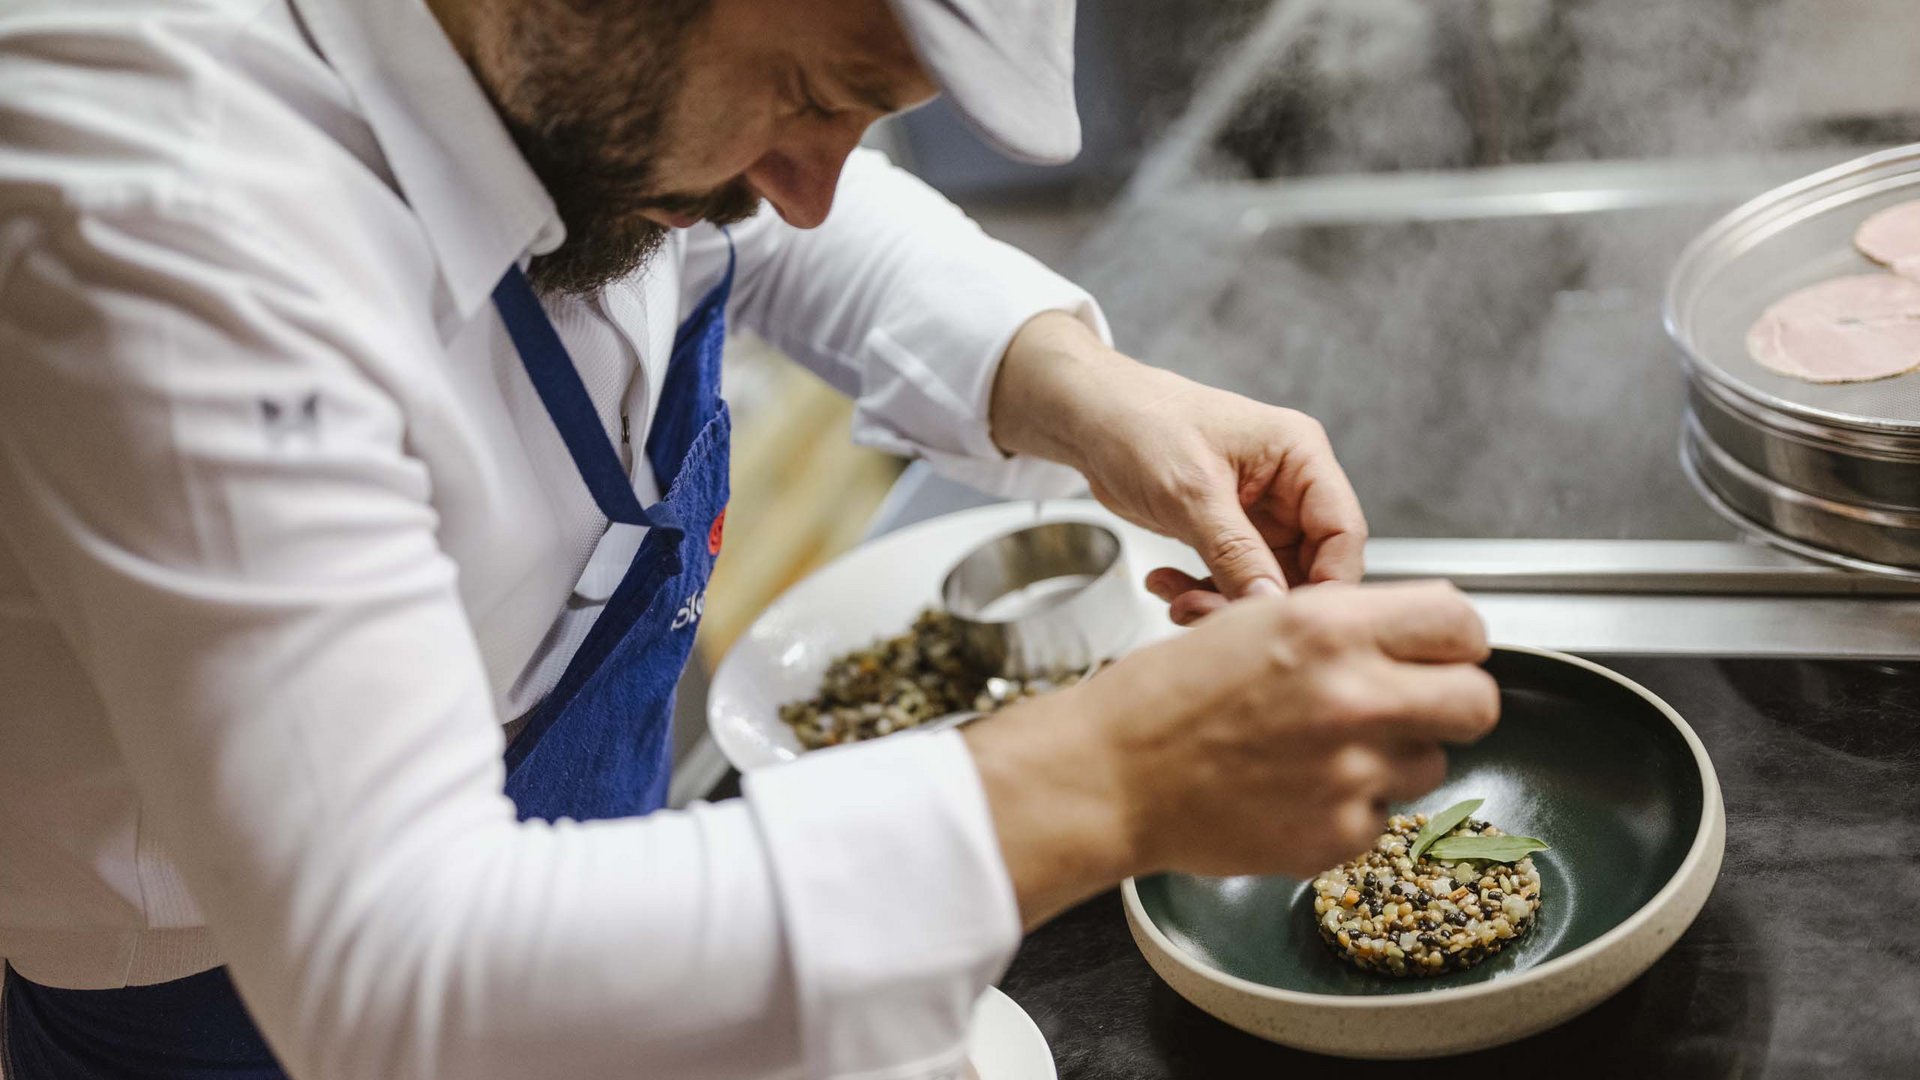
1056, 790
1055, 384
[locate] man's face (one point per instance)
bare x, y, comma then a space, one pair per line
645, 115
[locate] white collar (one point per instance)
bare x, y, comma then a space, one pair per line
481, 205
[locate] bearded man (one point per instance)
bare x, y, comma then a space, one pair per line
362, 450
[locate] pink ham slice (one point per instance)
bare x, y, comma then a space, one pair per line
1892, 238
1849, 329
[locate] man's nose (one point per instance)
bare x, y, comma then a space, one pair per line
799, 177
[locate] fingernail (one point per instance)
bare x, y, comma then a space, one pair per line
1265, 587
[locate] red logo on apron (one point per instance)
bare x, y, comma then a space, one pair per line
718, 533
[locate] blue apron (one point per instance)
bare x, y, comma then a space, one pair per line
598, 746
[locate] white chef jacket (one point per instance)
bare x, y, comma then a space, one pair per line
285, 536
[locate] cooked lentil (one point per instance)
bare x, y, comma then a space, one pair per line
1391, 915
903, 682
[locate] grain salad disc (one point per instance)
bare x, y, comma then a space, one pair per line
1389, 914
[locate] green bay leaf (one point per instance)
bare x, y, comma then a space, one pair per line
1441, 824
1500, 849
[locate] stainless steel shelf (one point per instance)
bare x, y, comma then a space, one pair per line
1534, 191
1722, 627
1624, 567
1611, 597
1666, 598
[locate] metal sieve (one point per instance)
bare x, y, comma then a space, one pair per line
1791, 237
1828, 471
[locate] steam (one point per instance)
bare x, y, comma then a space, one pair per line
1501, 377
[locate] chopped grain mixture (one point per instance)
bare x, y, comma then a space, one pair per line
903, 682
1391, 915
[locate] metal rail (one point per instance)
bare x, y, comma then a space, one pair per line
1547, 189
1626, 567
1605, 597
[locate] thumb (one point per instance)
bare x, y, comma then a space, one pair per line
1234, 551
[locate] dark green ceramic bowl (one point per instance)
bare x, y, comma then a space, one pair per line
1583, 758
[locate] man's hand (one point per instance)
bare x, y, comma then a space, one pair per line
1253, 488
1269, 739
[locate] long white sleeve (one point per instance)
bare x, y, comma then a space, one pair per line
903, 303
216, 474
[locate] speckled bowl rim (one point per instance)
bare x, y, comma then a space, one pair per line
1711, 812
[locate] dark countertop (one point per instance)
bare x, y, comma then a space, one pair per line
1819, 764
1820, 767
1510, 378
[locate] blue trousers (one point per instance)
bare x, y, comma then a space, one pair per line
188, 1029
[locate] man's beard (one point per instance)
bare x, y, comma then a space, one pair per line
585, 88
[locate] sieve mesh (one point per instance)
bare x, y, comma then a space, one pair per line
1785, 240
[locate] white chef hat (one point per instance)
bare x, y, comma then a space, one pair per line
1007, 65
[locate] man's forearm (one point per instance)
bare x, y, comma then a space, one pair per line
1051, 387
1058, 812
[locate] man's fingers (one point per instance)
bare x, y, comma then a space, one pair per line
1332, 526
1189, 599
1422, 622
1315, 518
1339, 557
1451, 703
1190, 607
1241, 561
1357, 823
1167, 582
1414, 769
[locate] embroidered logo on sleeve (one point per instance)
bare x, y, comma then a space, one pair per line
296, 418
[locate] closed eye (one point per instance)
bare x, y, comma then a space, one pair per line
800, 92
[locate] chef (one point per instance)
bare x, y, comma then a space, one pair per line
362, 463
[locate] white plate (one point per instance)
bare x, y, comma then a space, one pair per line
1005, 1044
874, 591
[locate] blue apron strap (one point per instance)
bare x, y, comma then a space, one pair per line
565, 396
691, 390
